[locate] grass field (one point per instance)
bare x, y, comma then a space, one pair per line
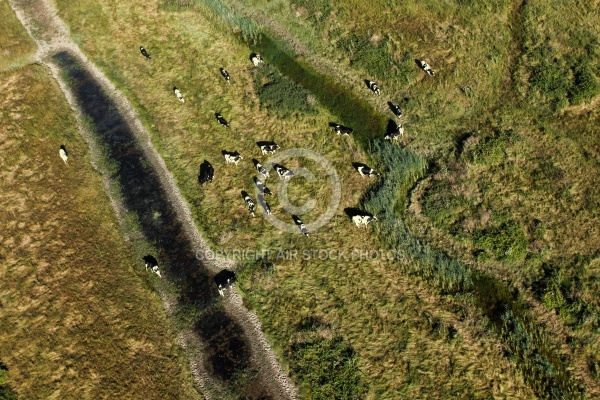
15, 44
495, 140
79, 317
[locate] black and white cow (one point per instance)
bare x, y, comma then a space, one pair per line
300, 225
363, 219
232, 157
283, 172
249, 202
395, 133
178, 94
256, 59
207, 173
225, 74
144, 52
264, 204
152, 264
62, 152
425, 67
261, 187
373, 86
260, 168
267, 147
341, 129
395, 109
224, 280
365, 170
221, 120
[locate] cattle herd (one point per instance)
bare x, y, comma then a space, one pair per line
206, 173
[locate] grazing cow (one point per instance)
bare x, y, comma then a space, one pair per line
283, 172
373, 86
425, 67
224, 280
221, 120
395, 109
364, 170
363, 219
206, 174
152, 264
300, 225
269, 149
144, 52
261, 170
232, 157
395, 134
262, 188
341, 129
256, 59
178, 94
249, 202
62, 152
225, 74
264, 204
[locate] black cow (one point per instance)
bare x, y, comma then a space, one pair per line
225, 74
206, 174
395, 109
283, 172
221, 120
373, 86
300, 225
261, 170
394, 131
152, 264
232, 157
341, 129
267, 147
224, 280
364, 170
249, 202
145, 53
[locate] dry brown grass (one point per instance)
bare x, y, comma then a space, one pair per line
79, 319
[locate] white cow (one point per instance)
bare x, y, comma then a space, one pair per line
232, 157
178, 94
363, 220
256, 59
62, 152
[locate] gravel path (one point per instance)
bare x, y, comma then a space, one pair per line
52, 36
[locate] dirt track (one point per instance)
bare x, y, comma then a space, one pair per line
52, 36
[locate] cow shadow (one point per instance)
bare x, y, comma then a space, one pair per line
353, 212
261, 143
392, 127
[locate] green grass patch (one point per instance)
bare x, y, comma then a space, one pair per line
327, 369
281, 95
